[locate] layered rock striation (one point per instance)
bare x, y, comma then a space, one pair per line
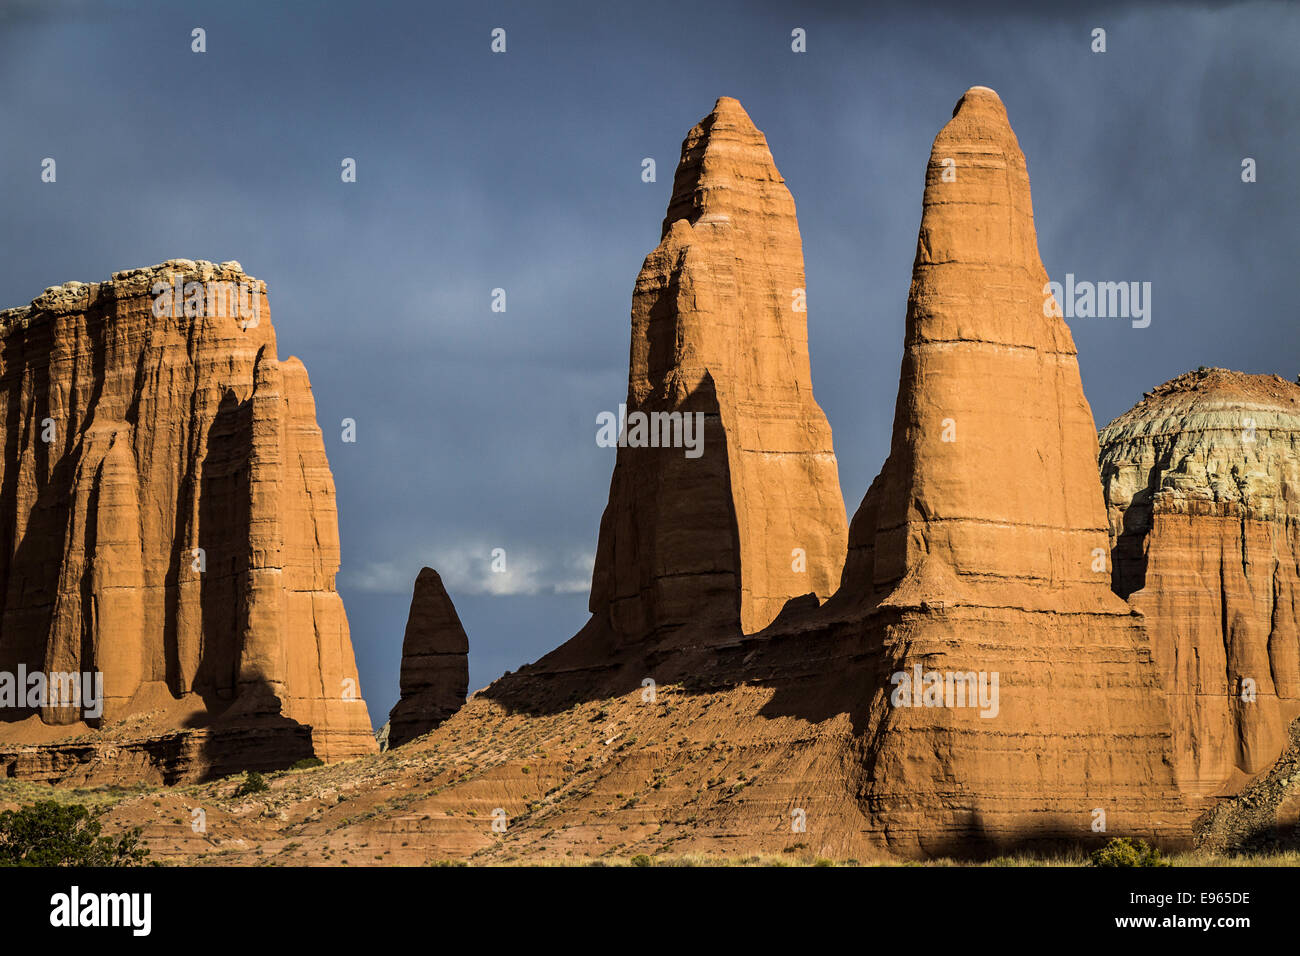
1202, 486
725, 534
435, 662
979, 552
167, 519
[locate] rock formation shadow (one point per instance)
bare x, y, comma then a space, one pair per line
246, 728
653, 583
223, 522
1128, 558
26, 618
251, 733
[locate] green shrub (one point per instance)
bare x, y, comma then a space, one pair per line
1125, 852
642, 860
54, 834
306, 763
254, 782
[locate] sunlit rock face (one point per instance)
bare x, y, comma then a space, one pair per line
979, 552
1202, 484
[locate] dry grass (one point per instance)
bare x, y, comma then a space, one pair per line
24, 792
1194, 858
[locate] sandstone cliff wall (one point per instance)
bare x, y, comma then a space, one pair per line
1202, 484
167, 513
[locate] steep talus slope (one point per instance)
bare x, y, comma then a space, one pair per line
1265, 815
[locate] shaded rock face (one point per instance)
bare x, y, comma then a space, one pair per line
167, 516
157, 755
435, 662
719, 329
980, 548
1202, 486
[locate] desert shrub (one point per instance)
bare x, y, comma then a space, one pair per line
306, 763
253, 782
48, 833
1125, 852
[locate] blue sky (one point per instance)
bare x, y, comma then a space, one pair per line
522, 171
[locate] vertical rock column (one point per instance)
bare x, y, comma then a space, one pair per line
719, 328
979, 552
117, 580
435, 662
262, 657
324, 689
990, 463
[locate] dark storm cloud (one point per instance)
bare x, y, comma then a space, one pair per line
476, 429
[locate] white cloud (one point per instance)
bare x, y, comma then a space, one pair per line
474, 569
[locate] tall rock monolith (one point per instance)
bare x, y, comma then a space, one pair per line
1017, 698
742, 510
435, 662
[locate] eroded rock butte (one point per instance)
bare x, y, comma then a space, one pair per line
980, 547
1202, 484
167, 520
